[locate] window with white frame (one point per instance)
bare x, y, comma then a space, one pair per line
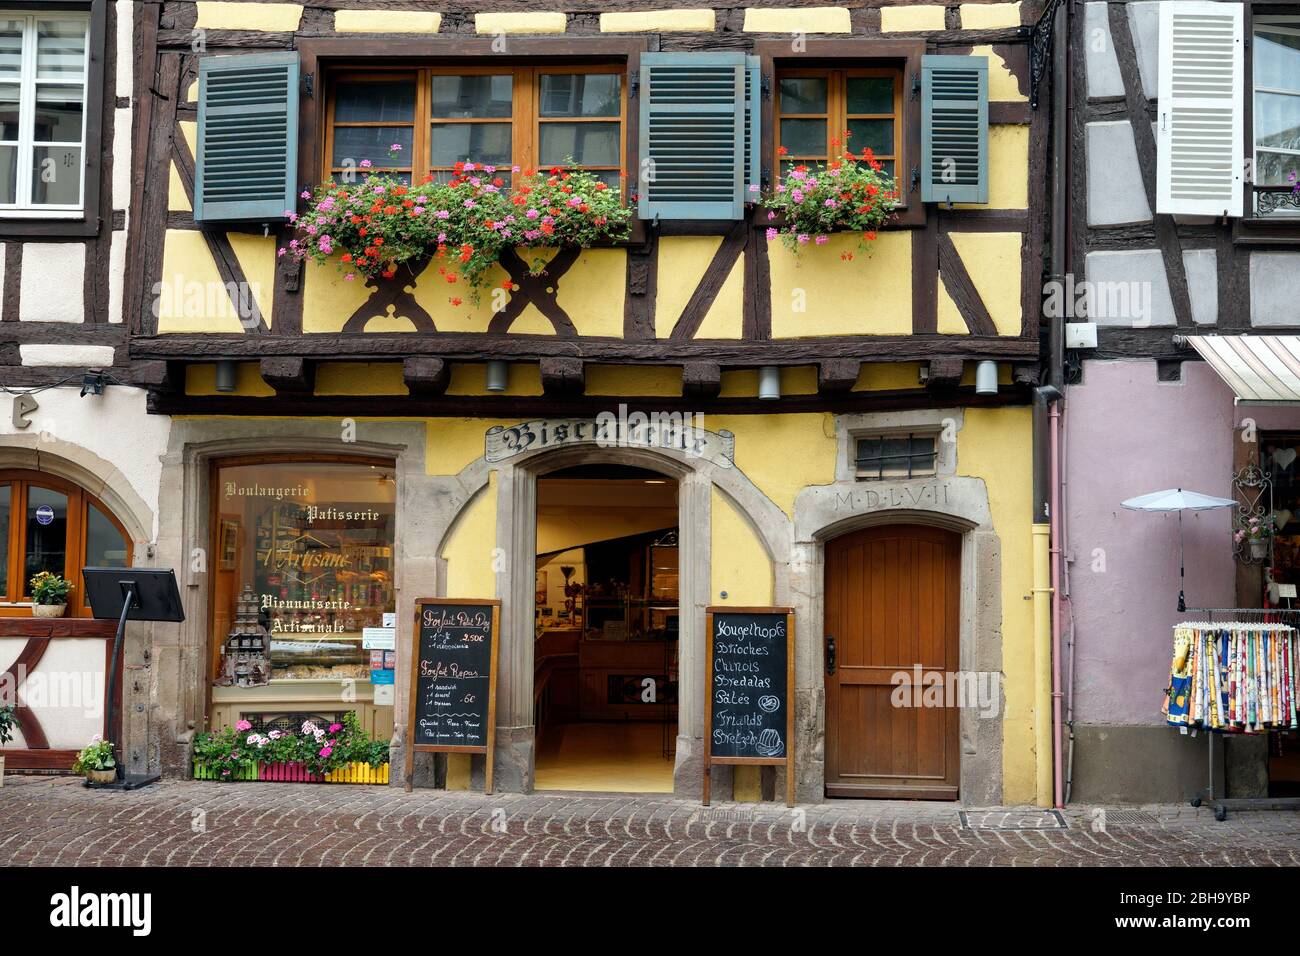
1276, 117
43, 67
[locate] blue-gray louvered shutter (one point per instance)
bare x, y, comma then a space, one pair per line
246, 167
692, 136
753, 134
954, 129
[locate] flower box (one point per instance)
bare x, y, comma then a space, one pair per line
361, 773
286, 773
246, 771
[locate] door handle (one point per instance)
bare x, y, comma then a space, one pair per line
830, 654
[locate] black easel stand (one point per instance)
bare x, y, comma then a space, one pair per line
144, 594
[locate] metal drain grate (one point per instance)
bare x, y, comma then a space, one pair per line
1012, 820
1130, 818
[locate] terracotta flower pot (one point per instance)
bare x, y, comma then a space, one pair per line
48, 610
102, 776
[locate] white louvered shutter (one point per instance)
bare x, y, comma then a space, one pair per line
1199, 123
246, 167
693, 144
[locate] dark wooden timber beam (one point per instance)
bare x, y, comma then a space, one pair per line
480, 347
562, 376
838, 375
701, 380
426, 374
943, 373
294, 375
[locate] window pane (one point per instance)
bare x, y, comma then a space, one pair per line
803, 94
11, 47
56, 175
580, 94
804, 137
472, 97
8, 173
1272, 169
871, 94
60, 48
876, 135
9, 112
58, 114
1277, 60
6, 498
386, 101
451, 143
1277, 120
894, 455
105, 546
47, 533
352, 144
588, 144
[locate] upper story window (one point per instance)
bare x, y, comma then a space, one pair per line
814, 108
879, 457
1276, 113
43, 68
528, 117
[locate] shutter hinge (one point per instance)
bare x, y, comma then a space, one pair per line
633, 84
309, 84
765, 86
916, 85
916, 178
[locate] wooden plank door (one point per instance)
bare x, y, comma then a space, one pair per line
892, 597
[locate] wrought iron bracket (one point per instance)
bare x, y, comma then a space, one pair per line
1040, 50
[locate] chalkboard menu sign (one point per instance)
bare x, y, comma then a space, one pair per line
751, 677
454, 679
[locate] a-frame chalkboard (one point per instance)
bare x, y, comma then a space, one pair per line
749, 700
453, 689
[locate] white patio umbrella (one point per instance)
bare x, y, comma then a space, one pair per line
1176, 499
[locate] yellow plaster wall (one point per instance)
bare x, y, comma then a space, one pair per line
911, 19
950, 319
386, 21
192, 284
738, 560
256, 255
726, 317
992, 259
202, 380
177, 200
267, 17
671, 21
535, 22
996, 445
360, 378
592, 292
1003, 85
797, 20
683, 261
887, 376
869, 295
782, 454
1008, 169
638, 380
452, 443
523, 379
989, 16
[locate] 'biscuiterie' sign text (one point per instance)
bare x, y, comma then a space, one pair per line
680, 432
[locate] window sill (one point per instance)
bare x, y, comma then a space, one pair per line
31, 227
1266, 231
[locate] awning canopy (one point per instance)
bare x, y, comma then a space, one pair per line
1260, 369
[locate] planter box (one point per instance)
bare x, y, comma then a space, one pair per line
297, 773
246, 771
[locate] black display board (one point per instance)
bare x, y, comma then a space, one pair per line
453, 679
749, 708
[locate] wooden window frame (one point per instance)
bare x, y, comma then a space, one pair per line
87, 221
851, 56
321, 57
18, 603
837, 116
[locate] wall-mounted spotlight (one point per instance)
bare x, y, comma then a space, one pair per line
769, 383
498, 376
225, 376
986, 378
92, 383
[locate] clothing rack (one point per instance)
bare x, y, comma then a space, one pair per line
1206, 797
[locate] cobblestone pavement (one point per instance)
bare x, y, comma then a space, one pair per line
56, 821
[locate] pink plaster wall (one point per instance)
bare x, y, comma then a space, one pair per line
1128, 434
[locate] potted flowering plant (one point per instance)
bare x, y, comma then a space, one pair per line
7, 721
381, 225
338, 752
1255, 533
95, 761
849, 194
50, 594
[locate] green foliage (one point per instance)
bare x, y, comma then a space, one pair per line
7, 721
50, 588
321, 749
98, 755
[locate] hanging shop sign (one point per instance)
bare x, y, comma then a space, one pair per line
454, 682
749, 713
681, 432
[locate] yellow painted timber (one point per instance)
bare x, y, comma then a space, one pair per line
265, 17
797, 20
658, 21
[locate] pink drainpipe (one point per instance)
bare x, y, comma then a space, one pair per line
1058, 776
